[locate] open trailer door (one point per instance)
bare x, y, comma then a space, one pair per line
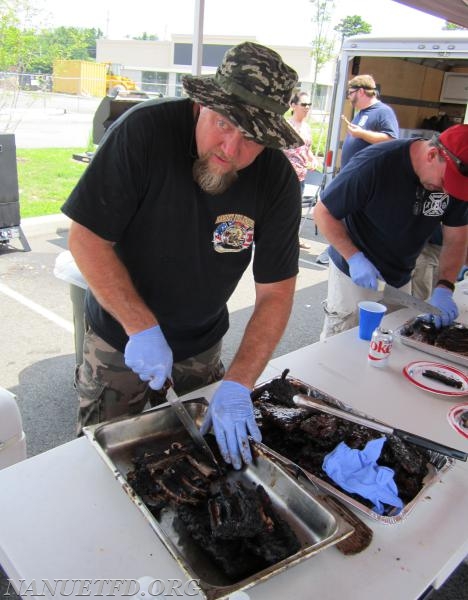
424, 79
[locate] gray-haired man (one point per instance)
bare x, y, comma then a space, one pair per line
164, 223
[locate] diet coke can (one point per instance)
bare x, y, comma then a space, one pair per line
380, 347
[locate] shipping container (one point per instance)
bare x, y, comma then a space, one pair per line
81, 77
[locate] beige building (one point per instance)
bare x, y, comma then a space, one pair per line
158, 66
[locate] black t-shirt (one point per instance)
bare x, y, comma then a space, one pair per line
389, 216
184, 249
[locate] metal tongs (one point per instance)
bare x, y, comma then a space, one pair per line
305, 401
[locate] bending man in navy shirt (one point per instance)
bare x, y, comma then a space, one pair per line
378, 213
375, 122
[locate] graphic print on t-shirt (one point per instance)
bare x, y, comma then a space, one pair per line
233, 233
435, 204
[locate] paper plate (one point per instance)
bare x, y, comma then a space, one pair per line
458, 418
414, 371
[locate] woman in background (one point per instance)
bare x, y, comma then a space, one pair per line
302, 159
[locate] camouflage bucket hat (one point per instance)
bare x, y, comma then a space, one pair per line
252, 88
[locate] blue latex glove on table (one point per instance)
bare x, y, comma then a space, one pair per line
363, 272
232, 416
442, 298
149, 356
357, 471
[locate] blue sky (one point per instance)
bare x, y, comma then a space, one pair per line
270, 21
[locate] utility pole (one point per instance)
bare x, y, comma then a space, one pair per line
197, 45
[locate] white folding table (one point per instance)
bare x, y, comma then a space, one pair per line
63, 515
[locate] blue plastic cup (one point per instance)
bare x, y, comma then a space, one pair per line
370, 317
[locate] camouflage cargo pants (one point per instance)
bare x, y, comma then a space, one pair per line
107, 388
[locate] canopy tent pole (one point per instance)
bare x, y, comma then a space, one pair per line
197, 45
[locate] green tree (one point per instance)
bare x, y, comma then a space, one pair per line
146, 36
322, 43
72, 43
34, 51
352, 25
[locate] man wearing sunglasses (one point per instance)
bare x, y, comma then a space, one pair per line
374, 122
380, 210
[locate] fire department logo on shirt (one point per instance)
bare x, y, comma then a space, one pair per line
233, 233
435, 204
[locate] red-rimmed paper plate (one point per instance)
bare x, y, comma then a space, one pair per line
415, 373
458, 418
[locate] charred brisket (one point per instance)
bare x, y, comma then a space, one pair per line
236, 526
453, 338
240, 549
308, 441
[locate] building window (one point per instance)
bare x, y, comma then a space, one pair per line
153, 82
321, 96
212, 54
179, 90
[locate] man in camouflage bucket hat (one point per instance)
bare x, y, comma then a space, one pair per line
164, 221
252, 88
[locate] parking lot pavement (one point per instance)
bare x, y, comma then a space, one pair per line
49, 120
37, 354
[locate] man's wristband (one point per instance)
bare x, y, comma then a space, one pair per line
446, 283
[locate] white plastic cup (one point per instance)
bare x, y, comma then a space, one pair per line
370, 317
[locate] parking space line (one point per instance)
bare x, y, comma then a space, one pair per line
37, 308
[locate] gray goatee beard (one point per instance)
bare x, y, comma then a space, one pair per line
211, 182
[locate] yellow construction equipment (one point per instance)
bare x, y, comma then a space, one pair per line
90, 78
117, 83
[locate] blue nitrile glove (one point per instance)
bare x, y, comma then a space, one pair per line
232, 416
363, 272
442, 298
148, 355
357, 471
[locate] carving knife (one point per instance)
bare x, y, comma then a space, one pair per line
394, 296
307, 402
189, 424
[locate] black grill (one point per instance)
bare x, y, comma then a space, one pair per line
9, 193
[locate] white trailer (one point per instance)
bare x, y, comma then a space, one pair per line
424, 80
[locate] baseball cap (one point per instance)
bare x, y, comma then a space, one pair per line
252, 88
453, 143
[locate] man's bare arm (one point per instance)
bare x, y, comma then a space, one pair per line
109, 280
453, 252
334, 231
371, 137
264, 330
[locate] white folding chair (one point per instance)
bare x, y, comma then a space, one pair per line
313, 186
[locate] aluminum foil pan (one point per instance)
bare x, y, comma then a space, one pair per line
314, 520
401, 335
438, 463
